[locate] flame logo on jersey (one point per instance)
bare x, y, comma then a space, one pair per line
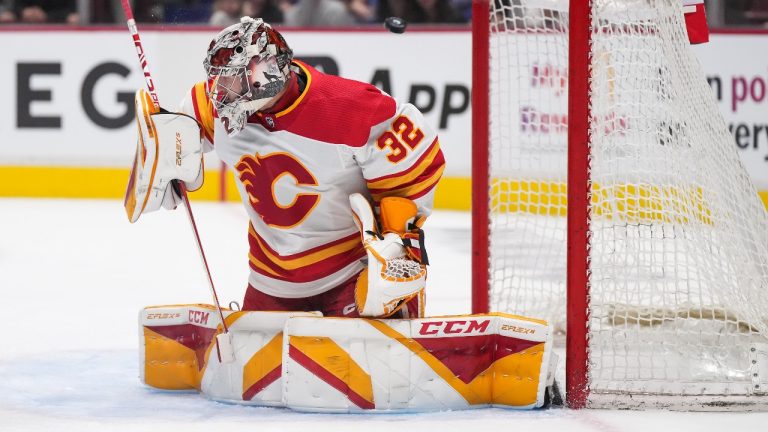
260, 176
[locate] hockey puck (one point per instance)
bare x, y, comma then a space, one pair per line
395, 24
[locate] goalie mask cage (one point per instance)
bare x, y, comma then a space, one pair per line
659, 238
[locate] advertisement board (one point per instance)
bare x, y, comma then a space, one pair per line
73, 98
70, 104
738, 76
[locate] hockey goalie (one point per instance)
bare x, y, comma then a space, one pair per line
337, 178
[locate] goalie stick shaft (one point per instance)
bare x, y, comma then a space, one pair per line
179, 186
184, 197
140, 52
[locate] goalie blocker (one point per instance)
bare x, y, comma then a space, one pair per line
306, 362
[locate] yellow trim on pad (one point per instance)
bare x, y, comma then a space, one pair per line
268, 358
331, 357
168, 364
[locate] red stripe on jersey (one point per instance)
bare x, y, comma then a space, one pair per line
252, 232
428, 171
414, 191
305, 266
424, 191
413, 166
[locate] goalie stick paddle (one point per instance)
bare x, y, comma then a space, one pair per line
223, 341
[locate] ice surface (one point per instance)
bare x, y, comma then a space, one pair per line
74, 274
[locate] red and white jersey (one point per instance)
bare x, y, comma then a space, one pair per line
296, 168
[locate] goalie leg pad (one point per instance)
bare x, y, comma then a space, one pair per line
461, 362
177, 352
310, 363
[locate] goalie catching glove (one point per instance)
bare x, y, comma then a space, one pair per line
397, 261
169, 148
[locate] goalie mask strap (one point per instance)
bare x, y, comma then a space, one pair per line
376, 234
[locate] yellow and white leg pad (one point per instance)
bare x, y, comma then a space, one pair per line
309, 363
444, 363
178, 352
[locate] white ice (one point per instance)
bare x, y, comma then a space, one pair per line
74, 274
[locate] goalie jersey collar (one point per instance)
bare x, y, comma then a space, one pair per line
298, 88
352, 107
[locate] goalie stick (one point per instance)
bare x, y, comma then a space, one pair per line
223, 340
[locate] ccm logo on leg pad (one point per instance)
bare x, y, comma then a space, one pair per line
454, 327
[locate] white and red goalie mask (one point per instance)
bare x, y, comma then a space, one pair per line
247, 65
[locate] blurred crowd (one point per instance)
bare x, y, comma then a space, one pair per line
39, 11
219, 13
744, 12
305, 13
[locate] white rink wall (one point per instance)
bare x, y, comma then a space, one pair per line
56, 82
68, 117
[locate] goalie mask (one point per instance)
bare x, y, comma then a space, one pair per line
247, 65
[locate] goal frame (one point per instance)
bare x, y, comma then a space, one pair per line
578, 185
740, 385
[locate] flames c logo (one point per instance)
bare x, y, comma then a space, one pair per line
260, 174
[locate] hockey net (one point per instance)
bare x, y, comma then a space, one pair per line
676, 253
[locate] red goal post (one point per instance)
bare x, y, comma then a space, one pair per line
659, 239
480, 144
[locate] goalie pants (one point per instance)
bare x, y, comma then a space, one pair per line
336, 302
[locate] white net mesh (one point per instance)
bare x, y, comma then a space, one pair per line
678, 235
528, 110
